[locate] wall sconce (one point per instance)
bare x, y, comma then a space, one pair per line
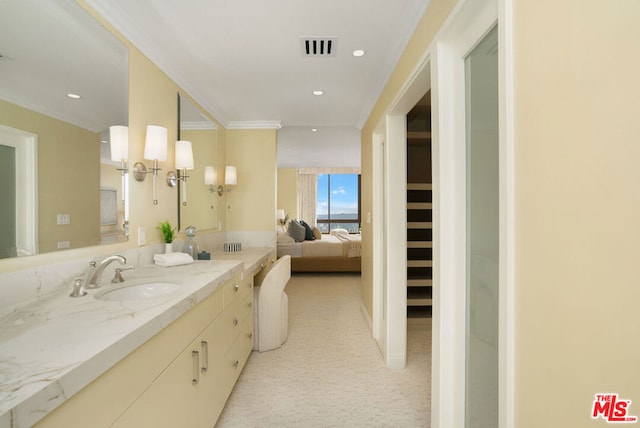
210, 180
230, 177
184, 161
155, 149
119, 143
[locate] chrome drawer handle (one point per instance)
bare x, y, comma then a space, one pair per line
237, 287
205, 356
235, 321
196, 365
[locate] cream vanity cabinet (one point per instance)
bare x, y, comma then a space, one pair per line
169, 382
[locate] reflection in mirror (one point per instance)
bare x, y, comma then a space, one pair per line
201, 208
55, 142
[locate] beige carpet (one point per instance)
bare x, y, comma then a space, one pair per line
330, 373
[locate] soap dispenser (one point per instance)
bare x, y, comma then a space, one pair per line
191, 247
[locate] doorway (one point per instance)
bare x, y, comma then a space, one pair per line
19, 150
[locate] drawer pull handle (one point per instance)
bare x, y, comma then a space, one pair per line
236, 363
205, 356
250, 335
261, 265
250, 304
196, 365
235, 321
236, 288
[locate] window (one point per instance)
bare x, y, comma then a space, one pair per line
338, 203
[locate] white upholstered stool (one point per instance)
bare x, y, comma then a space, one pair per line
271, 307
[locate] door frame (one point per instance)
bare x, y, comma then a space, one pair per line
466, 26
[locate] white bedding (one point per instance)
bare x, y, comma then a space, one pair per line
328, 246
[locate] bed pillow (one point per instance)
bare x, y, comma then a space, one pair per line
335, 232
316, 233
308, 232
296, 230
285, 238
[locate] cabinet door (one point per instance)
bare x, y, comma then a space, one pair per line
212, 392
172, 399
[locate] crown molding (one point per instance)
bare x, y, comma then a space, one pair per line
255, 124
197, 125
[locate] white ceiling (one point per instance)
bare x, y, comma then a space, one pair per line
242, 61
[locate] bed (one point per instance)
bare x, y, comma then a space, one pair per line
335, 252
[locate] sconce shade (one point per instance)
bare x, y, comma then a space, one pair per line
119, 139
184, 155
280, 214
209, 176
155, 145
230, 176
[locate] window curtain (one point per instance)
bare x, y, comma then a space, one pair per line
307, 196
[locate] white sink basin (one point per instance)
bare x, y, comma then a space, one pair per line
148, 290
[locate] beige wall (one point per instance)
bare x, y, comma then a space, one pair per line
68, 177
251, 205
577, 205
288, 191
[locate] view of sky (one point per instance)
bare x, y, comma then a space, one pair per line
343, 191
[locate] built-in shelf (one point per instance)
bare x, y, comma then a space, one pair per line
419, 216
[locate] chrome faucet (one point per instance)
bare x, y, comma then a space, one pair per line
92, 276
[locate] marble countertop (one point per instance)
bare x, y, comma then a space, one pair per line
53, 347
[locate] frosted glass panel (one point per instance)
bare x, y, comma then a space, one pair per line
482, 234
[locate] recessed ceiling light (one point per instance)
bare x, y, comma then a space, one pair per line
74, 96
358, 52
318, 92
314, 129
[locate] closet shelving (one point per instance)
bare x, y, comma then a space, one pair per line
419, 230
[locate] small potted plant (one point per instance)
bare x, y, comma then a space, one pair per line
168, 235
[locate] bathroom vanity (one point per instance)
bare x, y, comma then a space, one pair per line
170, 360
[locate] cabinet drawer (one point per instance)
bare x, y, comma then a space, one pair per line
236, 289
230, 322
237, 356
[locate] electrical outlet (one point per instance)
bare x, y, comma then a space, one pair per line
63, 219
142, 239
64, 244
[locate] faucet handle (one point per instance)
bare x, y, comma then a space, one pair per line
78, 289
117, 277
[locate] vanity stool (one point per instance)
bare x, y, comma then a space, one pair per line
271, 307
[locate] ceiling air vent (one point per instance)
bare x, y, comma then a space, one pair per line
319, 46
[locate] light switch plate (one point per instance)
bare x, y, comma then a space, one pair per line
142, 239
63, 219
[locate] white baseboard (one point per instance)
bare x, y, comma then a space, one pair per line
397, 361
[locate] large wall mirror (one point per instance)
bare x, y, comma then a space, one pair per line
198, 199
64, 84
